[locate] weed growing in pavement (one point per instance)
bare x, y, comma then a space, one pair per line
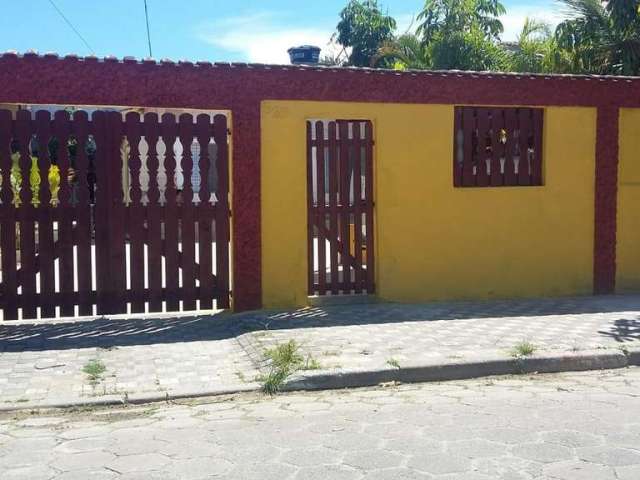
286, 359
94, 370
311, 363
523, 349
285, 354
393, 363
272, 382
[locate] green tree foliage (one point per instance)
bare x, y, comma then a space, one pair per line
470, 50
598, 36
601, 37
536, 51
439, 18
459, 51
404, 52
364, 29
462, 34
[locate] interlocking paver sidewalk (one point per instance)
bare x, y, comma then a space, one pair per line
377, 336
41, 364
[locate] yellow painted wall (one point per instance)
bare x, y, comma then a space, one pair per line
434, 241
628, 236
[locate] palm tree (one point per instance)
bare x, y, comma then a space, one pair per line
601, 37
537, 51
404, 52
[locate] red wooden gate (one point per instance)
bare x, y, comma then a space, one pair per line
340, 207
110, 214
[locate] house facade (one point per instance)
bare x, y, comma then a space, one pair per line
435, 185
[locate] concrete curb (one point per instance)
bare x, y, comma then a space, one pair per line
132, 399
544, 362
633, 356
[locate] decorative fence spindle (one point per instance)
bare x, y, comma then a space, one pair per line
187, 259
135, 213
26, 213
511, 126
205, 213
64, 212
153, 215
172, 271
497, 147
482, 152
524, 131
83, 212
44, 196
469, 143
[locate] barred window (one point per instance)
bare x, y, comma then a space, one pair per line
497, 146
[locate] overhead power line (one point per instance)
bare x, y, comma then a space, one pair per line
146, 16
72, 27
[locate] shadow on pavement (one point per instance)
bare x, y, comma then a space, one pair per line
624, 330
107, 333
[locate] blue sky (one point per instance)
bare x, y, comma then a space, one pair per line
213, 30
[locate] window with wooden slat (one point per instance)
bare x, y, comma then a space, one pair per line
497, 146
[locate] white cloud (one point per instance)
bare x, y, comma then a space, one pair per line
265, 37
406, 22
262, 37
513, 21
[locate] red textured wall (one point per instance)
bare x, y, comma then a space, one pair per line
247, 287
85, 81
241, 87
606, 200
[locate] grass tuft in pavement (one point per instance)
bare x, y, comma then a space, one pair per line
94, 369
285, 354
286, 359
392, 362
523, 349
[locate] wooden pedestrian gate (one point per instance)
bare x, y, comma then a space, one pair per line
340, 207
107, 214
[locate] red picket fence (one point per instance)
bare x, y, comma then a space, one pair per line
108, 215
340, 207
495, 147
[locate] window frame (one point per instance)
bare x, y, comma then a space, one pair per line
502, 146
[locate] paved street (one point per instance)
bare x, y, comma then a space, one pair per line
579, 426
157, 357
